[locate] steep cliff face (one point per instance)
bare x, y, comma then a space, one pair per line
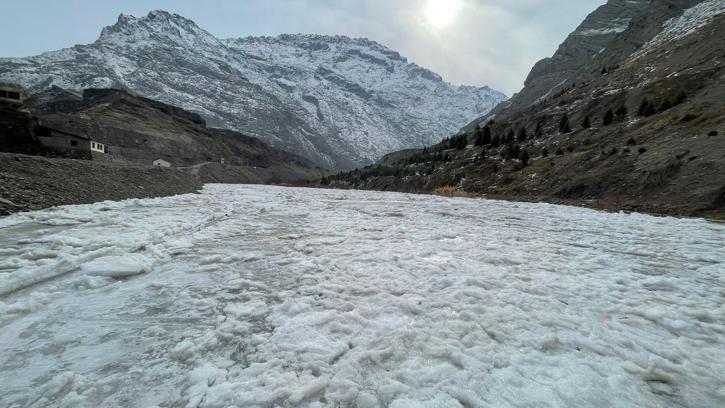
135, 131
640, 125
592, 36
339, 101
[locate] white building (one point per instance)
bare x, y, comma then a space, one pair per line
161, 163
98, 147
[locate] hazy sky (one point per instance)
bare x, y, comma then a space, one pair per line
473, 42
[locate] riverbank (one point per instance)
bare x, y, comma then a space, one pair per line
33, 182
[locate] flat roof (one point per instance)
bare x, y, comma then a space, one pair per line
14, 87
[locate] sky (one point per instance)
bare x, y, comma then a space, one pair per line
471, 42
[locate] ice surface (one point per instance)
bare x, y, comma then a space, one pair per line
117, 266
267, 296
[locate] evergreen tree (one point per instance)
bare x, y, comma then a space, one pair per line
510, 136
523, 135
511, 151
608, 118
587, 123
666, 104
524, 157
621, 113
643, 107
681, 96
539, 130
487, 135
483, 136
545, 152
463, 141
564, 124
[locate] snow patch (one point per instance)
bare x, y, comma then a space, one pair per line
117, 266
690, 21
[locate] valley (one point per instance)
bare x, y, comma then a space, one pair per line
257, 296
229, 216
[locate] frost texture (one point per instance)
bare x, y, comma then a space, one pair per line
261, 296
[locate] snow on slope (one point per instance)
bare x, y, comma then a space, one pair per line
259, 296
690, 21
339, 101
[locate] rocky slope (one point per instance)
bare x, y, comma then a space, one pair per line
34, 182
592, 36
640, 125
341, 102
140, 130
135, 131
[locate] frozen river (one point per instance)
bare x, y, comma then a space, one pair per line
264, 296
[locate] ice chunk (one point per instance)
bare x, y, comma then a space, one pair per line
117, 266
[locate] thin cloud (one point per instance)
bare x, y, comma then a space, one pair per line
490, 42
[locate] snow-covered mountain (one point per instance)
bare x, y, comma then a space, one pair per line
342, 102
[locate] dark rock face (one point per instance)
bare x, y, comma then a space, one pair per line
652, 105
592, 36
138, 130
338, 101
16, 131
135, 131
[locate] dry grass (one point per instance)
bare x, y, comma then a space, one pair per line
450, 191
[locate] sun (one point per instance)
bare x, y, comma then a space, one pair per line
440, 13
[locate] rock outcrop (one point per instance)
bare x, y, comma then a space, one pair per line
592, 36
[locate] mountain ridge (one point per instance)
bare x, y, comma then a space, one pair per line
339, 101
638, 125
592, 36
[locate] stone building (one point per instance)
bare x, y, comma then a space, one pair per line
70, 145
161, 163
11, 94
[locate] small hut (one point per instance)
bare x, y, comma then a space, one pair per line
11, 94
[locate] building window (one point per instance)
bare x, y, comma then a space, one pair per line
42, 131
14, 95
74, 143
3, 94
98, 147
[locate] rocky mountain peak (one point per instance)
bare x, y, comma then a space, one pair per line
157, 25
341, 102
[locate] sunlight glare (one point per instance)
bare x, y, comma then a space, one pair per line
441, 13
